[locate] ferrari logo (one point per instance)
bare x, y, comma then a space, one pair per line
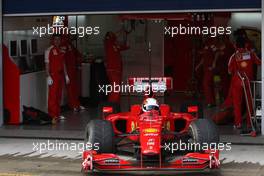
168, 126
243, 64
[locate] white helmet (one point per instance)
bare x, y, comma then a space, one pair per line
150, 104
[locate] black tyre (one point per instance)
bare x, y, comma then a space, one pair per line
115, 106
100, 134
185, 105
204, 131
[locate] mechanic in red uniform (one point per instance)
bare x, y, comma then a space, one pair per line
113, 63
56, 76
240, 66
228, 103
73, 61
207, 61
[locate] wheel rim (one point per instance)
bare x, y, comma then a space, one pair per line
191, 135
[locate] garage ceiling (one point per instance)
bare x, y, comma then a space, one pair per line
47, 7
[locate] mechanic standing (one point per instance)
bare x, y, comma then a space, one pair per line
240, 66
113, 63
73, 60
207, 55
56, 76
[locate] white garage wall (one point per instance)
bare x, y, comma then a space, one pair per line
94, 43
20, 28
135, 60
240, 19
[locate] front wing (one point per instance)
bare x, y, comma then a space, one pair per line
112, 162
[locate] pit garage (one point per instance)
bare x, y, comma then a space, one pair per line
201, 58
154, 51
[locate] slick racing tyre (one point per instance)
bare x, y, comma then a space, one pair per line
100, 135
115, 106
203, 131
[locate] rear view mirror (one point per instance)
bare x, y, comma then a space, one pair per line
192, 109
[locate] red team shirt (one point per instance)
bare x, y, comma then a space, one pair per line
243, 62
55, 58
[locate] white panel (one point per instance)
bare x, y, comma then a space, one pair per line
246, 19
33, 91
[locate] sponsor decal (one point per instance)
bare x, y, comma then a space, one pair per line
189, 160
151, 130
151, 142
133, 126
151, 134
243, 64
246, 56
113, 160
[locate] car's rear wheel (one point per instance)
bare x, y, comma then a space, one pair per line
100, 135
203, 132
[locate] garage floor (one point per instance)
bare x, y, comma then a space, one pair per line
19, 157
74, 125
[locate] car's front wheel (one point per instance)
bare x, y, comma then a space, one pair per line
203, 132
100, 135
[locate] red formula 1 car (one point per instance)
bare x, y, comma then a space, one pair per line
157, 138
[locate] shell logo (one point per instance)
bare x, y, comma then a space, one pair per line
243, 64
151, 130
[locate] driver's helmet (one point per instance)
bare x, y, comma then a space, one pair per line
150, 104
